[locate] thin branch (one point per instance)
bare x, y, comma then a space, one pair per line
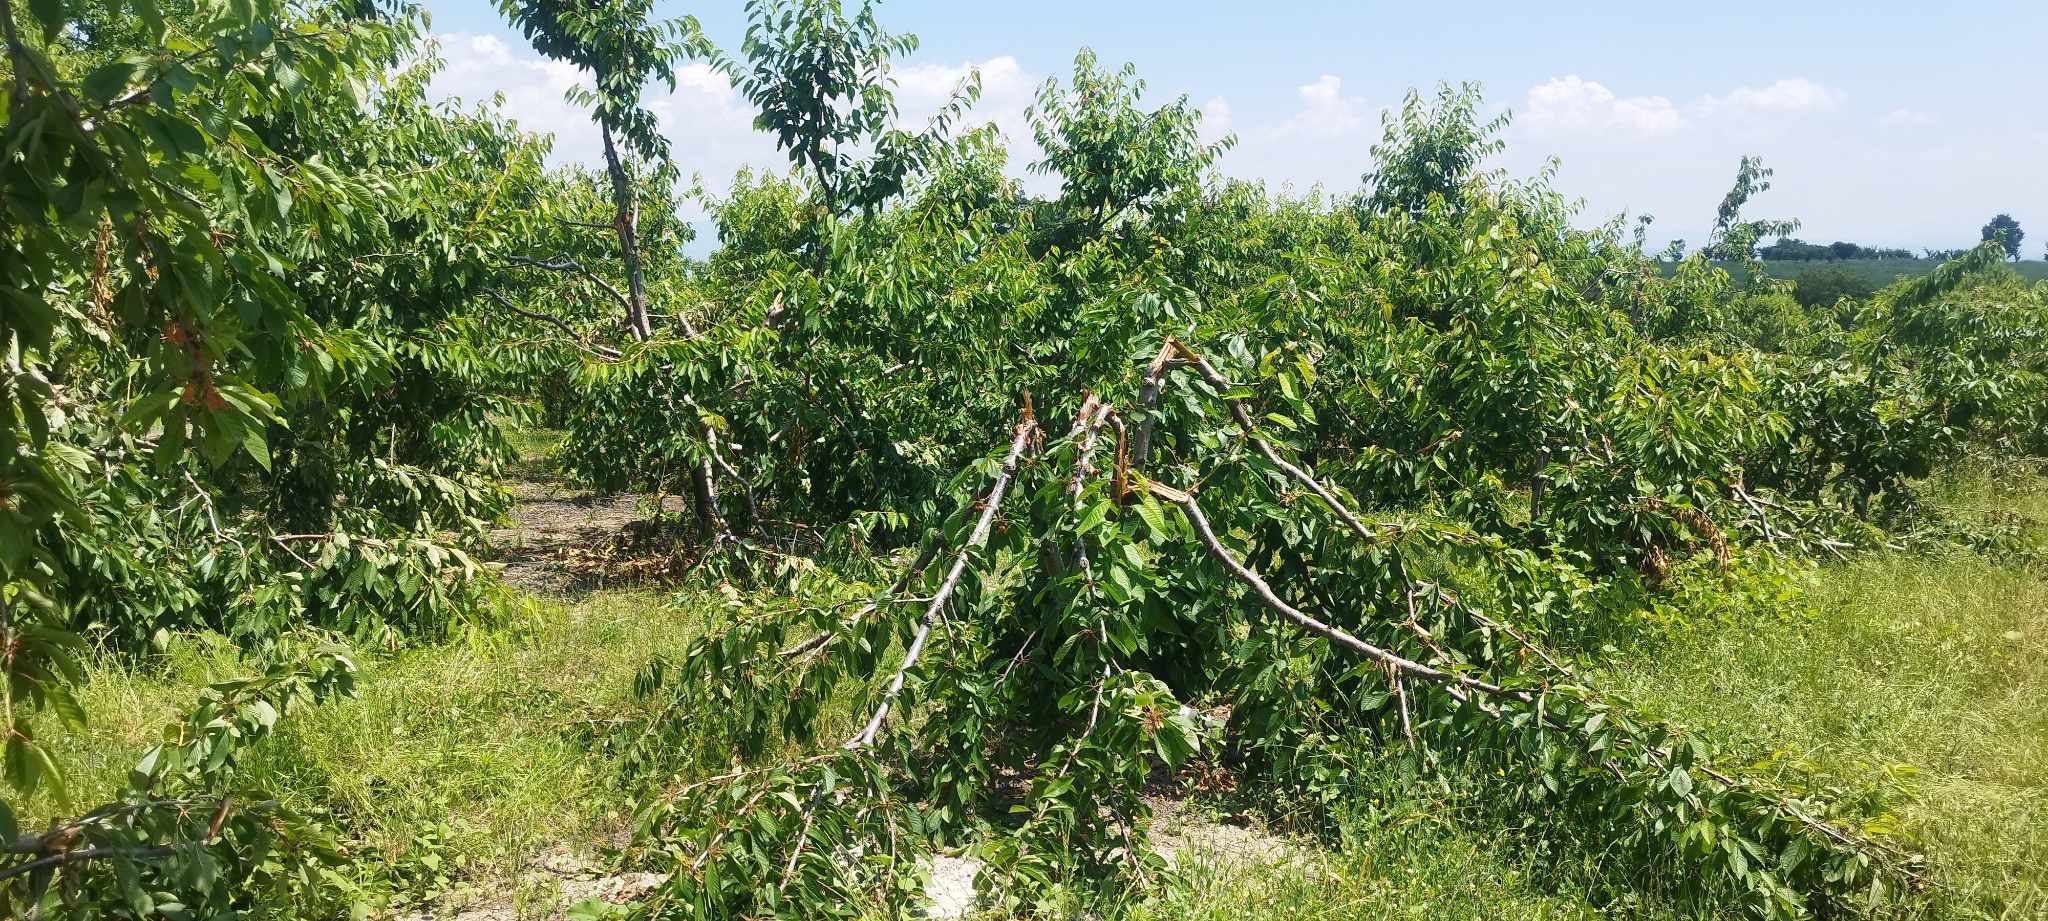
90, 853
1266, 596
603, 351
924, 558
1022, 648
564, 263
1244, 423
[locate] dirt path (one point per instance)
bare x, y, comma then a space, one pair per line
557, 530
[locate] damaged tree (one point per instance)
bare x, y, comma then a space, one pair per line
1044, 671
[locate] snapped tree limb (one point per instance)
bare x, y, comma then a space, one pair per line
866, 737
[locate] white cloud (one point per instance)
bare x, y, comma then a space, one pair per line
1790, 96
710, 127
1325, 110
479, 68
1002, 78
1575, 104
1216, 118
1322, 142
1006, 91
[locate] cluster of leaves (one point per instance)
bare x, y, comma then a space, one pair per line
189, 836
1906, 383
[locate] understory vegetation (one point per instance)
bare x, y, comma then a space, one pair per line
1497, 566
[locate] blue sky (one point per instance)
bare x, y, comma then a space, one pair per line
1897, 124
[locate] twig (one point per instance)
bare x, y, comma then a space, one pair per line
602, 351
564, 263
1019, 657
924, 558
90, 853
803, 836
1763, 517
711, 846
206, 501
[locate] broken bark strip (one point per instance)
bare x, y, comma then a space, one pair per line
1087, 426
866, 737
1148, 396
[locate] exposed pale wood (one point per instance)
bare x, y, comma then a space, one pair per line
866, 737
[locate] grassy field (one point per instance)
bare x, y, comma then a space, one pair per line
455, 763
1881, 272
1922, 676
1917, 676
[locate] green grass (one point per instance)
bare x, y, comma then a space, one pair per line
1408, 849
537, 449
1925, 673
1423, 871
454, 762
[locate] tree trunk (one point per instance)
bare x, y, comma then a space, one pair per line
703, 488
623, 221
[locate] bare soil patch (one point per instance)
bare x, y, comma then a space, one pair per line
565, 541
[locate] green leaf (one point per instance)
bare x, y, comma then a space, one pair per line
66, 705
152, 17
1680, 781
257, 443
108, 81
1094, 518
46, 771
1155, 517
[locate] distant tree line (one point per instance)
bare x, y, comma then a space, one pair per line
1790, 249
